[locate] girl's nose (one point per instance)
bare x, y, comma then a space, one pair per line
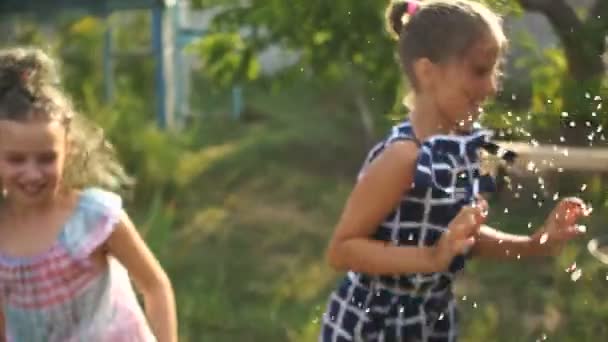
32, 173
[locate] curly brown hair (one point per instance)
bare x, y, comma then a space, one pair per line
30, 91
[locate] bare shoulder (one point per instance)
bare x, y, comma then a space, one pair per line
397, 158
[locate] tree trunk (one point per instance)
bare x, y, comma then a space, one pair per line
584, 42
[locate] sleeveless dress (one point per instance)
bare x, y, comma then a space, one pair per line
59, 296
412, 307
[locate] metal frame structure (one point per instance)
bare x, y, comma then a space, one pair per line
104, 8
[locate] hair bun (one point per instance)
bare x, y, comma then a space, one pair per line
26, 69
397, 15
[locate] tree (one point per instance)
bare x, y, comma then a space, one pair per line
583, 39
337, 41
345, 41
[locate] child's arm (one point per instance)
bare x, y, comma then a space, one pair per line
378, 192
547, 240
497, 244
129, 248
2, 327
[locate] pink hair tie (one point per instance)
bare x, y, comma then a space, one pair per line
412, 7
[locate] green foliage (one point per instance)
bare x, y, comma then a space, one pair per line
336, 42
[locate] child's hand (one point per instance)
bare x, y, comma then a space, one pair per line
560, 226
460, 236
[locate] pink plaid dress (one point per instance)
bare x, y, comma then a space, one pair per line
59, 296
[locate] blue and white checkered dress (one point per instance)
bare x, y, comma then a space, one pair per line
412, 307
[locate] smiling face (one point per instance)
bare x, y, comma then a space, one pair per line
32, 159
460, 86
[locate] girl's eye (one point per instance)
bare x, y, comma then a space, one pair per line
482, 71
48, 158
15, 158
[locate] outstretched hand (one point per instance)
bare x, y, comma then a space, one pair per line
561, 225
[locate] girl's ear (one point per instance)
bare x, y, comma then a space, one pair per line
425, 73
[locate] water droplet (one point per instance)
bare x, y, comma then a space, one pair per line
529, 225
584, 187
475, 305
518, 256
544, 238
441, 316
576, 275
587, 95
571, 268
531, 166
556, 196
506, 210
549, 101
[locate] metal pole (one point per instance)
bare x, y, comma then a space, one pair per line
108, 65
157, 47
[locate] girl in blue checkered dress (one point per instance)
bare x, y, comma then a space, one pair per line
415, 214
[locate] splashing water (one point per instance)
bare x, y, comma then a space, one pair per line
576, 275
571, 268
